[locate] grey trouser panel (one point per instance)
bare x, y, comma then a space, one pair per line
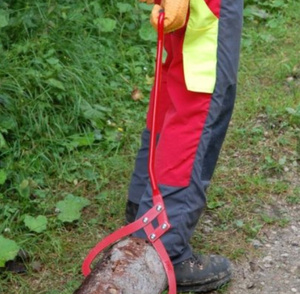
185, 204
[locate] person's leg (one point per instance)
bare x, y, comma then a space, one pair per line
181, 149
190, 141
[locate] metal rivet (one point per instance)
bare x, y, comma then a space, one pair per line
152, 236
164, 226
145, 220
159, 208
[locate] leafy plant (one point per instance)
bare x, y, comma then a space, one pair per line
36, 224
3, 176
267, 13
8, 250
69, 208
294, 115
263, 10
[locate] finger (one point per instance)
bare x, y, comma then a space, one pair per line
154, 15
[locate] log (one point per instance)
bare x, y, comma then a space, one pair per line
131, 266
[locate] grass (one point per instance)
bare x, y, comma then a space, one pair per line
68, 125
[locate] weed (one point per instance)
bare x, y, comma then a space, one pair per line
294, 198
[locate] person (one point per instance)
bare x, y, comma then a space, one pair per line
199, 80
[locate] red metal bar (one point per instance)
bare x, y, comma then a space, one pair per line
157, 87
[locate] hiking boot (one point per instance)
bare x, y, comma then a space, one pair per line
131, 211
202, 273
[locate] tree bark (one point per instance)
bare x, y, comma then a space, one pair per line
131, 266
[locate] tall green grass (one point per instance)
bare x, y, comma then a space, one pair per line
67, 72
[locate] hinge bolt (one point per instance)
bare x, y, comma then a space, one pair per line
159, 208
145, 220
164, 226
152, 236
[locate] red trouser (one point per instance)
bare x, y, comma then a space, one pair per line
181, 118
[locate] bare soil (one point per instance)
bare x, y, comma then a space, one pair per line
277, 269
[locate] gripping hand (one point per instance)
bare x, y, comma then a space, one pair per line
175, 14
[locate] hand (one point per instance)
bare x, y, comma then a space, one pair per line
175, 14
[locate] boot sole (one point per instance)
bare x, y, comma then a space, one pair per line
204, 288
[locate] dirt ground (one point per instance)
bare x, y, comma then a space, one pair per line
277, 269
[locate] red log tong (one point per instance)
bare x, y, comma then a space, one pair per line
158, 210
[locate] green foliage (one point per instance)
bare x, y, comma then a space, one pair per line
24, 189
2, 176
67, 70
69, 208
294, 115
271, 14
64, 79
8, 250
36, 224
147, 33
263, 10
105, 25
294, 198
3, 18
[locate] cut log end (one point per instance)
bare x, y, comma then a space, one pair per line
131, 266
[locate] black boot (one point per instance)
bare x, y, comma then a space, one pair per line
202, 273
131, 211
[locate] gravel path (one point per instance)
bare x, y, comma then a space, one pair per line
277, 269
